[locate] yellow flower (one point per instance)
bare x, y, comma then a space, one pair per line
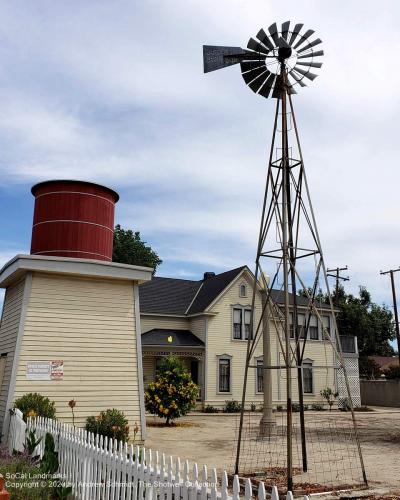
166, 411
32, 414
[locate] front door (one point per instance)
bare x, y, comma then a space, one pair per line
194, 371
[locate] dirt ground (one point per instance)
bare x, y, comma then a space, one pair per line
209, 439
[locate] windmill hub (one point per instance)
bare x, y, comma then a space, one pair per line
284, 53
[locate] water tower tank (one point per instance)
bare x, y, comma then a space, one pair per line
73, 219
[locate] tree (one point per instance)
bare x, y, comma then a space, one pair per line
173, 394
329, 395
370, 323
392, 372
369, 369
130, 249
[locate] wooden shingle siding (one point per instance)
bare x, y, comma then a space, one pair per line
8, 337
90, 325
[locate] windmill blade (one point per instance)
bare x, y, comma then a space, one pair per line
307, 74
285, 29
310, 64
295, 32
304, 37
251, 75
257, 47
312, 44
297, 79
214, 57
283, 43
264, 39
273, 29
291, 90
249, 65
311, 54
256, 84
265, 90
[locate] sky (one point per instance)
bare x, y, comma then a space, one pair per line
114, 92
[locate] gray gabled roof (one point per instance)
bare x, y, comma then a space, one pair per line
173, 296
212, 288
167, 295
180, 338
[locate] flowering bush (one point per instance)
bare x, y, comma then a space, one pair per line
110, 423
35, 405
173, 393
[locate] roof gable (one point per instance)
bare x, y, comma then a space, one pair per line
212, 288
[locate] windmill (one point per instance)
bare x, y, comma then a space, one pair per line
275, 64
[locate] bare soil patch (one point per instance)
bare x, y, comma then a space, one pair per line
209, 440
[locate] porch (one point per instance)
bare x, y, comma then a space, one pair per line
160, 343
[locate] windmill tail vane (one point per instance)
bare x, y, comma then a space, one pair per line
268, 57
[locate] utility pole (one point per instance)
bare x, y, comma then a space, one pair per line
335, 273
396, 317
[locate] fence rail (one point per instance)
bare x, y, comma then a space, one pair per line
99, 468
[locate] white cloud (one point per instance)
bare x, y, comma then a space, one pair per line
114, 92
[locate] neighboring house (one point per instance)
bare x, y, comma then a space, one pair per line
385, 361
207, 322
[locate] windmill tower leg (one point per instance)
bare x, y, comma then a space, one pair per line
267, 422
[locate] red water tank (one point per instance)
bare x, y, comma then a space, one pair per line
73, 219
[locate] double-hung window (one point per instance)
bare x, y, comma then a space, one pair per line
326, 326
224, 375
313, 328
260, 375
308, 383
241, 323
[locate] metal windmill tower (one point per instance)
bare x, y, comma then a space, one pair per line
275, 65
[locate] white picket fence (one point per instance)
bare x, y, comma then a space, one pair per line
99, 468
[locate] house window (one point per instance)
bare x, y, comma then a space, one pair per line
326, 326
247, 321
241, 323
260, 375
224, 375
237, 323
313, 328
291, 329
243, 291
308, 384
301, 326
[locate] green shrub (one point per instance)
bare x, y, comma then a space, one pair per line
35, 405
232, 406
173, 393
317, 407
280, 408
392, 372
110, 423
363, 408
253, 407
210, 409
296, 407
344, 404
329, 395
20, 467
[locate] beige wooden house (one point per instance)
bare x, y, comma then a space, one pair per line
207, 322
70, 329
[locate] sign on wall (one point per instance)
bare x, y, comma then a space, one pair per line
45, 370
